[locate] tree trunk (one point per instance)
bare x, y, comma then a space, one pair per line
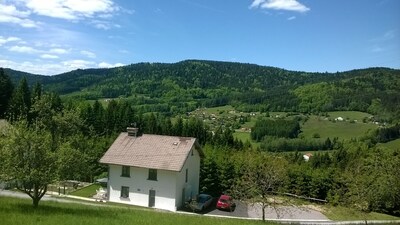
263, 212
35, 202
35, 196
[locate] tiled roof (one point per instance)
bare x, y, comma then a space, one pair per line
149, 151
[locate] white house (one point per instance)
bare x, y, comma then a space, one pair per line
153, 170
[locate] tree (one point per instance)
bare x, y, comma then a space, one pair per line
36, 92
28, 160
20, 103
71, 163
6, 90
263, 175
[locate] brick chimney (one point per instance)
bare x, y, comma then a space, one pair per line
132, 131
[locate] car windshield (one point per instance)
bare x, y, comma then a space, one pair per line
223, 200
202, 199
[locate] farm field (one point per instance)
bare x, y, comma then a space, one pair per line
349, 115
331, 129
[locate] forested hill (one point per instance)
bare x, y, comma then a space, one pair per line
183, 86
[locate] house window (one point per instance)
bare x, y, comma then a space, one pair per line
152, 174
126, 171
186, 175
124, 192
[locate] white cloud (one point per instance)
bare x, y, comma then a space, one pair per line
35, 68
10, 14
23, 49
48, 56
291, 18
256, 3
290, 5
20, 11
4, 40
105, 25
77, 64
108, 65
13, 11
71, 9
43, 68
102, 26
58, 51
88, 54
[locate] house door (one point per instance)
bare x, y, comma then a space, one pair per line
152, 198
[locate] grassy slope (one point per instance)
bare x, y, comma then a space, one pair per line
342, 213
216, 110
350, 115
342, 129
19, 211
325, 128
395, 144
244, 136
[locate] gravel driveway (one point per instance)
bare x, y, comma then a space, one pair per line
287, 212
255, 211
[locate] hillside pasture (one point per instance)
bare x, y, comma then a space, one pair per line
349, 115
341, 129
245, 136
394, 145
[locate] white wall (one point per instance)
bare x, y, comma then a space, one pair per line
139, 187
192, 186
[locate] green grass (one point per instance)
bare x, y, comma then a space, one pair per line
87, 192
343, 213
216, 110
395, 144
350, 115
244, 136
340, 129
20, 212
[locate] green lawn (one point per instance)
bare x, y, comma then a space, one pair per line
343, 213
20, 212
395, 144
340, 129
86, 192
350, 115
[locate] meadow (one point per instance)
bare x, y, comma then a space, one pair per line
395, 144
324, 126
341, 129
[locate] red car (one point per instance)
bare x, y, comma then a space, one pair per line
226, 202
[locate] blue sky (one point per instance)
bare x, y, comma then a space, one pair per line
54, 36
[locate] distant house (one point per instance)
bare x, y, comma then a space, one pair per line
339, 118
307, 156
153, 170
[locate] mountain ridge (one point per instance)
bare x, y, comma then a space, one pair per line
186, 85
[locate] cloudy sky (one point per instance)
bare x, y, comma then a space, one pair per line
54, 36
